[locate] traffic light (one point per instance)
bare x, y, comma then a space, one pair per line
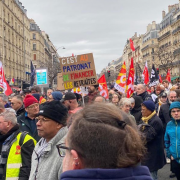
109, 73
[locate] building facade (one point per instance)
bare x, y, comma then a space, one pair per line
15, 50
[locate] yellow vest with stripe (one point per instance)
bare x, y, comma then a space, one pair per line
14, 161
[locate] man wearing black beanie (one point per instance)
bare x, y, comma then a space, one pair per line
51, 126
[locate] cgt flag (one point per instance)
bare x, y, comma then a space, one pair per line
154, 80
103, 87
146, 74
130, 80
120, 84
4, 86
168, 76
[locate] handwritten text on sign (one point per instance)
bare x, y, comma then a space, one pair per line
78, 71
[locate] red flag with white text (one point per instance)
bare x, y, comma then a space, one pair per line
131, 44
130, 80
4, 86
146, 74
168, 76
103, 87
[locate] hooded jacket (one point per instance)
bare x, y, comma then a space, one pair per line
172, 136
136, 111
132, 173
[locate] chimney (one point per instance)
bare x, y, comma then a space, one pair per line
154, 25
164, 13
170, 8
148, 27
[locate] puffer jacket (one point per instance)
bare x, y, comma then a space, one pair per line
172, 139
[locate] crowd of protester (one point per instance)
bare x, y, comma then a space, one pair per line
62, 135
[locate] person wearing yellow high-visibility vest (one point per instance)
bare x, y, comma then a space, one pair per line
16, 148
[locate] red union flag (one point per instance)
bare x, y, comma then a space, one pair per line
146, 74
4, 86
168, 76
130, 80
103, 87
131, 44
120, 84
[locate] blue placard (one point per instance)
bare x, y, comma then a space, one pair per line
41, 75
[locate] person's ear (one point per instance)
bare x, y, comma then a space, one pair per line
77, 163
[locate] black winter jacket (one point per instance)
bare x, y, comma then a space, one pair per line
23, 122
136, 111
20, 111
145, 96
164, 114
153, 133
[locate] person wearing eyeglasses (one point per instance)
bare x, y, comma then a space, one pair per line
102, 143
17, 104
51, 126
27, 120
172, 138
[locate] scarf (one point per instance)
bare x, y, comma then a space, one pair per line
146, 119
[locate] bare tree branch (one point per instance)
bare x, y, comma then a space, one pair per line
53, 69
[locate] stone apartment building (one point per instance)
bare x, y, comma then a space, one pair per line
150, 45
37, 44
21, 40
15, 50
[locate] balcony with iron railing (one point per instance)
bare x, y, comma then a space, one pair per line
164, 35
176, 30
145, 48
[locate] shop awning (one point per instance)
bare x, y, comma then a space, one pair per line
173, 78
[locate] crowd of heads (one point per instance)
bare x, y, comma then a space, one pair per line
101, 131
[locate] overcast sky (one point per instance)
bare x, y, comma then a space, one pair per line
98, 26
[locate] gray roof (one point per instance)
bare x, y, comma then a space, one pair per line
35, 27
21, 6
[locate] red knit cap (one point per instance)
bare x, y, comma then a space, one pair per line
29, 99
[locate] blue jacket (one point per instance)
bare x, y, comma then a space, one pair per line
172, 139
132, 173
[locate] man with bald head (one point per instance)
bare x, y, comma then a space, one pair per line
142, 92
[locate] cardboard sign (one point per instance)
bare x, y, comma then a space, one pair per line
60, 83
78, 71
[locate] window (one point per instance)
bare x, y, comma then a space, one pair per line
34, 36
34, 47
34, 56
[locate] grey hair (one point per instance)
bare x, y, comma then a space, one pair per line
132, 100
9, 115
19, 97
171, 92
4, 97
124, 101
